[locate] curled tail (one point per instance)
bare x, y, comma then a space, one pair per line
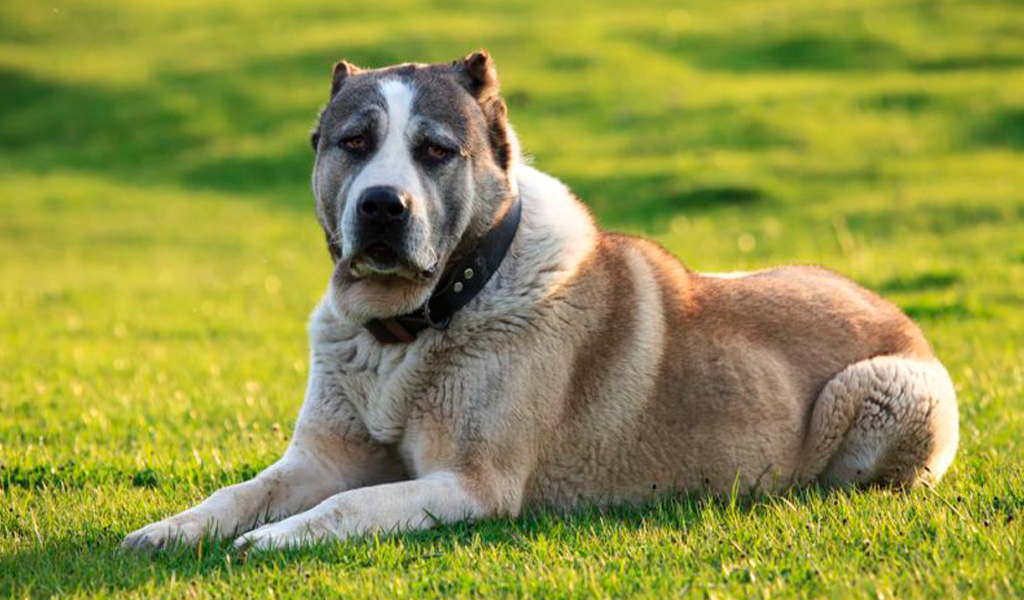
889, 420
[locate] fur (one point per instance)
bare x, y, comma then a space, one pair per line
593, 367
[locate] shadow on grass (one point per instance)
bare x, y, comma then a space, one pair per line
807, 51
933, 309
725, 126
812, 51
909, 101
1002, 129
650, 201
943, 219
72, 474
964, 62
149, 135
956, 309
184, 129
92, 563
204, 131
931, 280
46, 124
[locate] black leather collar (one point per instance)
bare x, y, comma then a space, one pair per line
460, 284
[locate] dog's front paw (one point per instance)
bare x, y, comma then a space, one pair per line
179, 529
276, 536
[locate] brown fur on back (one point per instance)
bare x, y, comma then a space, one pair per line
737, 359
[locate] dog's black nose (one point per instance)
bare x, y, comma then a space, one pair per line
382, 205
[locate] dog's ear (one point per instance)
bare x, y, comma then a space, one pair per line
476, 73
342, 70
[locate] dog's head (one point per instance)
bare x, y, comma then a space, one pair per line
413, 164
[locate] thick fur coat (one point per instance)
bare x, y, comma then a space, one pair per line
592, 368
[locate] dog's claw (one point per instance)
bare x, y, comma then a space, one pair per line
255, 541
142, 541
275, 536
159, 535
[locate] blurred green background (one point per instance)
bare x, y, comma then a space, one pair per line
159, 255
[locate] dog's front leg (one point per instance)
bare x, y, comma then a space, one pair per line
280, 488
296, 482
330, 452
443, 496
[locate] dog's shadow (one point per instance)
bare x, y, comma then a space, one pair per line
91, 563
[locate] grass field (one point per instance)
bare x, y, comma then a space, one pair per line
159, 256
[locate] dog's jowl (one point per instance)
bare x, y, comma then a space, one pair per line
482, 347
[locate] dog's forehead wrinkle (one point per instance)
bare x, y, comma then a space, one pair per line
436, 129
435, 95
361, 119
445, 103
359, 94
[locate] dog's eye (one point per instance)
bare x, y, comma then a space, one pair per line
437, 153
355, 143
432, 154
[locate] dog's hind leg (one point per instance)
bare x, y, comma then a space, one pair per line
889, 420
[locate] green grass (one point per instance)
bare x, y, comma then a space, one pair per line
159, 255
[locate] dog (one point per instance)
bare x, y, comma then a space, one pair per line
482, 348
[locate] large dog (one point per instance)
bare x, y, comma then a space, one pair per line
482, 347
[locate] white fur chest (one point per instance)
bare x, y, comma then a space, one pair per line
355, 370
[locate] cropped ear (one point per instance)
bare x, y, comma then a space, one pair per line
476, 73
342, 70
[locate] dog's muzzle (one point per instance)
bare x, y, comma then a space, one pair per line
383, 222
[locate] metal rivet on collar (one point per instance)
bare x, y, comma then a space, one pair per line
457, 287
468, 274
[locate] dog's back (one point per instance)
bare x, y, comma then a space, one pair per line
688, 381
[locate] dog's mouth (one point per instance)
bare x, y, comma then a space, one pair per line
381, 261
381, 256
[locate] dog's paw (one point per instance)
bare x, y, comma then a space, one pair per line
278, 536
175, 530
